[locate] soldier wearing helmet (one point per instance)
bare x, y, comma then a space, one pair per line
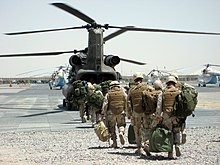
165, 112
94, 101
136, 111
182, 120
158, 85
114, 108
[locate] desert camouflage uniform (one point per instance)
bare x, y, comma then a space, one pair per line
181, 120
93, 108
114, 109
165, 111
140, 121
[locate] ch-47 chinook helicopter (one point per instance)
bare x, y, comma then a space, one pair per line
91, 64
208, 76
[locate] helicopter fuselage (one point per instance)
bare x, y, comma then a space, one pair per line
94, 69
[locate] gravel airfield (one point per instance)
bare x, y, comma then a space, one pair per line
81, 146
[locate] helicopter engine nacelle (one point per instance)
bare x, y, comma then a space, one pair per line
75, 60
111, 60
78, 59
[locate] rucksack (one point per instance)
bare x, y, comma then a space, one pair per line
102, 131
95, 99
161, 139
116, 100
186, 102
169, 99
79, 90
105, 86
149, 98
136, 97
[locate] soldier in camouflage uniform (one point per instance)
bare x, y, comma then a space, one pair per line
158, 86
79, 95
95, 100
114, 108
182, 120
165, 112
135, 112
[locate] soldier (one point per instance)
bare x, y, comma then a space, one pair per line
79, 96
136, 112
114, 108
94, 101
182, 120
158, 86
165, 112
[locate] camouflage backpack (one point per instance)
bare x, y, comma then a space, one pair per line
186, 102
149, 98
136, 97
169, 99
105, 86
95, 99
79, 90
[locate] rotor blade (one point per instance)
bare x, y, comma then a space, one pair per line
35, 54
162, 30
112, 35
132, 61
213, 65
74, 12
41, 31
127, 60
37, 70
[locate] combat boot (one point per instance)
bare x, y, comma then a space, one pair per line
114, 145
177, 149
84, 119
139, 151
170, 155
146, 149
183, 138
121, 136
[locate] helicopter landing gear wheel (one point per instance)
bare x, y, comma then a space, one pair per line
69, 106
64, 102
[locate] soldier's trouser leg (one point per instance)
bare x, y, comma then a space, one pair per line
121, 127
137, 121
176, 135
147, 122
97, 115
167, 121
82, 112
92, 114
111, 125
183, 130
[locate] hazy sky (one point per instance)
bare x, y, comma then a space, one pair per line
158, 50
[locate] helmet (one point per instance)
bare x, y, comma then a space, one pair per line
171, 79
138, 75
114, 83
175, 75
158, 84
